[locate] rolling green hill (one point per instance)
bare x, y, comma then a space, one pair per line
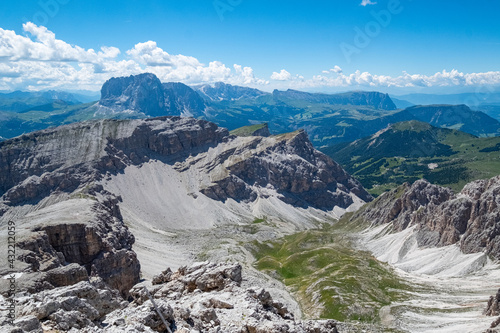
411, 150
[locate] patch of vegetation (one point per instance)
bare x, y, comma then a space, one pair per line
260, 220
413, 150
248, 130
330, 278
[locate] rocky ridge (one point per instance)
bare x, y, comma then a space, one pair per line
441, 217
204, 297
493, 309
221, 91
40, 163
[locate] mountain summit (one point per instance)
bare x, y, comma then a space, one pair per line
145, 94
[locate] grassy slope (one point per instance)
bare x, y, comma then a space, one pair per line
58, 113
330, 278
247, 130
460, 158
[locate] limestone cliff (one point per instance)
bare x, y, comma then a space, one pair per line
65, 158
469, 218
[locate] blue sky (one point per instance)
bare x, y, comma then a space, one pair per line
282, 44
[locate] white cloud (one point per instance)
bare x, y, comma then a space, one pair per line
364, 3
281, 76
335, 77
41, 61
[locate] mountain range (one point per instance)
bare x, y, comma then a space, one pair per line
407, 151
99, 204
328, 118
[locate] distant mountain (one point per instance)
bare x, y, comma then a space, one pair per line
329, 119
470, 99
492, 110
459, 117
145, 94
361, 98
21, 100
56, 113
183, 100
221, 91
411, 150
401, 104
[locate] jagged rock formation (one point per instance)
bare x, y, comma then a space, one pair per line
73, 240
441, 218
144, 93
493, 307
306, 177
30, 171
204, 297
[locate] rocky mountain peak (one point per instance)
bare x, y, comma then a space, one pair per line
145, 95
441, 217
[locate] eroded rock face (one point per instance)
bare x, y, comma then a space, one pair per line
204, 297
287, 163
85, 152
144, 93
63, 159
493, 307
64, 252
469, 218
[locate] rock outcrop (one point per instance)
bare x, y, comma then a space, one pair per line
304, 178
441, 218
145, 95
204, 297
493, 307
62, 159
72, 241
288, 163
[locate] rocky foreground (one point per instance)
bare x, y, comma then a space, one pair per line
204, 297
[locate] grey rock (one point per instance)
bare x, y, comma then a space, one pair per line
493, 307
29, 324
442, 218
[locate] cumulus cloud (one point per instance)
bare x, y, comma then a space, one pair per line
364, 3
335, 77
281, 76
41, 61
335, 69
